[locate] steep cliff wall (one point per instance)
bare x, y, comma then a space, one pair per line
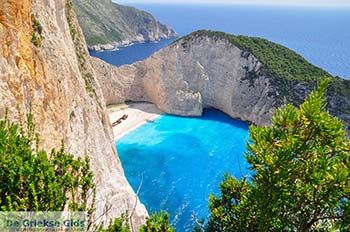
44, 65
244, 77
106, 24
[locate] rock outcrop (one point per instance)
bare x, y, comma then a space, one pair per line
211, 69
107, 25
45, 68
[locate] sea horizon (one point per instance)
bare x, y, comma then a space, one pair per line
316, 33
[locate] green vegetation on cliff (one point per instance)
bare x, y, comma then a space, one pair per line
105, 22
301, 175
158, 222
279, 60
37, 36
33, 180
290, 74
97, 26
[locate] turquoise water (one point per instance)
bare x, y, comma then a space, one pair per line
180, 161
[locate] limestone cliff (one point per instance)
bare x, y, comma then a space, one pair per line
44, 65
106, 24
244, 77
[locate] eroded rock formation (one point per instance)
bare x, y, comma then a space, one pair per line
183, 81
210, 69
45, 67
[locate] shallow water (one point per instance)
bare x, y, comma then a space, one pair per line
179, 161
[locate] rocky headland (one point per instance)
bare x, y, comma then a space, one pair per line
244, 77
45, 69
108, 25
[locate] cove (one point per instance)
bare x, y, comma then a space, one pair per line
131, 54
178, 161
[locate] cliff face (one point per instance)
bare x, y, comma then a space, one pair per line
106, 24
210, 70
44, 65
184, 81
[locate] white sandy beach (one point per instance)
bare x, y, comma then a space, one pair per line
138, 114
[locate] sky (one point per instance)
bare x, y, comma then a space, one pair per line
333, 3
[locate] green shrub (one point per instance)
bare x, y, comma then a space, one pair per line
158, 222
36, 40
37, 36
300, 175
33, 180
37, 26
118, 225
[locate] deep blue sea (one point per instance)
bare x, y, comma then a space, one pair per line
321, 35
179, 161
131, 54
